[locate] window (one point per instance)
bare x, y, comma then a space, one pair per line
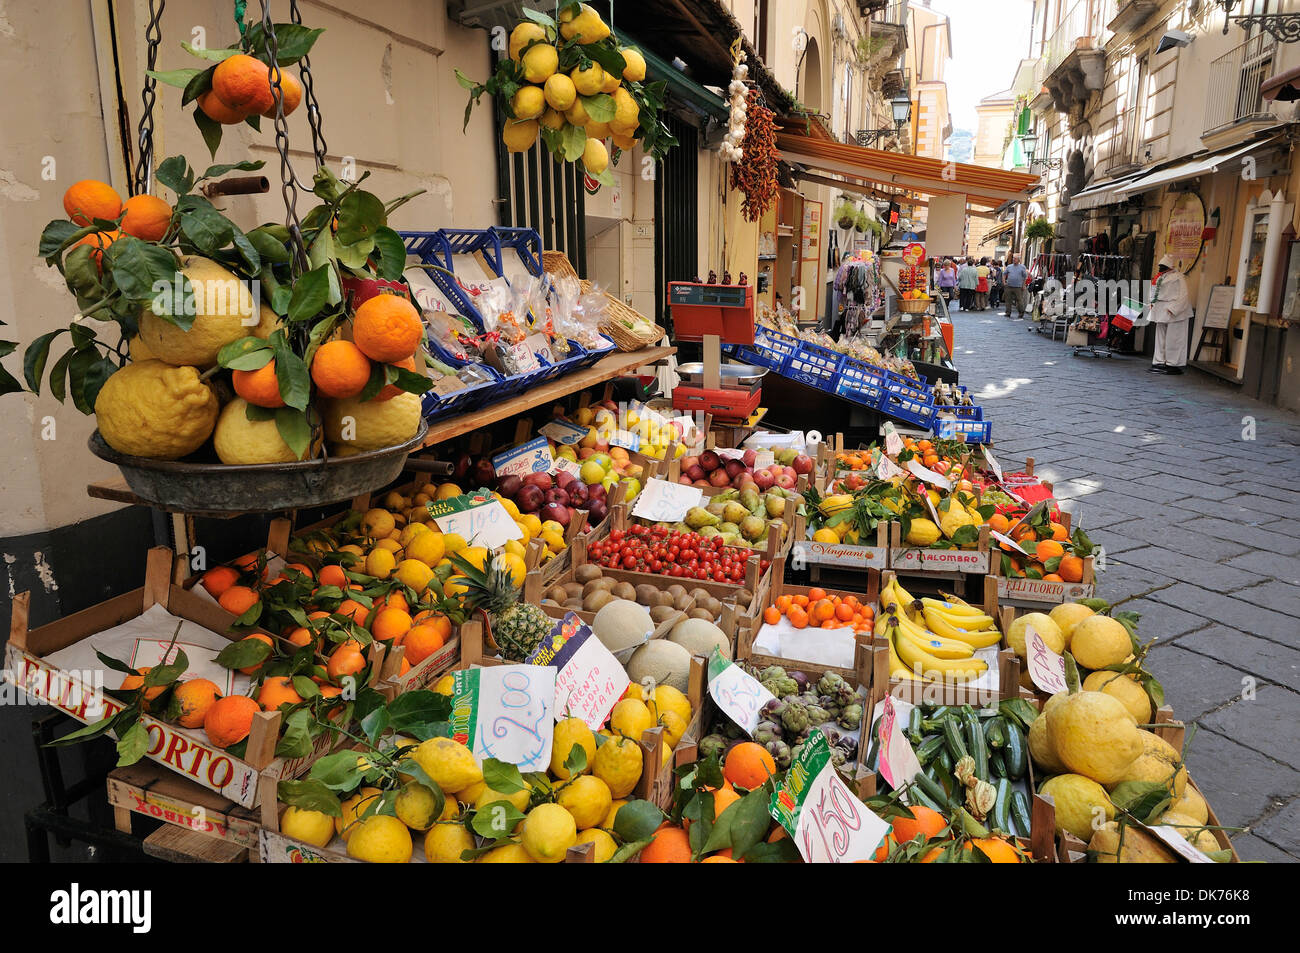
1138, 108
760, 29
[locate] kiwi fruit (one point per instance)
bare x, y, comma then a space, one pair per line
572, 603
661, 614
676, 590
597, 600
586, 573
710, 605
744, 597
699, 594
597, 585
556, 594
647, 595
683, 603
573, 590
624, 590
550, 602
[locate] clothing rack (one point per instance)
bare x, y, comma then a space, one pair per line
1105, 267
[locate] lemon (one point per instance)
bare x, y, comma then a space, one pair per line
631, 718
612, 814
1159, 762
1094, 735
151, 409
446, 842
669, 699
445, 685
554, 541
381, 839
587, 799
539, 62
428, 548
560, 92
524, 34
372, 425
518, 798
627, 143
595, 157
448, 490
597, 130
612, 82
377, 523
310, 827
588, 81
413, 573
380, 563
455, 586
1082, 805
514, 547
528, 102
239, 440
586, 27
570, 732
139, 351
1099, 641
530, 520
417, 806
1040, 744
627, 114
551, 119
1191, 829
476, 556
449, 765
1043, 625
577, 114
618, 764
1124, 687
633, 64
549, 831
1191, 804
673, 727
224, 311
603, 846
453, 543
1133, 846
353, 808
514, 565
506, 854
826, 536
410, 531
470, 794
1067, 616
509, 506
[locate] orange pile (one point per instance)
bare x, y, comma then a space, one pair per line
819, 609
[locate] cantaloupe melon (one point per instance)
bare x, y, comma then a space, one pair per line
622, 625
700, 637
666, 662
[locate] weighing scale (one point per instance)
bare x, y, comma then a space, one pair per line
712, 314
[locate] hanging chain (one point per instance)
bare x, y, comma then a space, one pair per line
318, 144
144, 164
288, 181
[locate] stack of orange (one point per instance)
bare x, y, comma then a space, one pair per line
386, 329
820, 609
853, 460
1051, 543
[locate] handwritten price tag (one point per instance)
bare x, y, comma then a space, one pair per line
994, 466
740, 696
589, 680
479, 518
1008, 541
1029, 517
523, 357
1174, 838
531, 457
664, 502
898, 762
1046, 668
928, 475
828, 823
565, 465
887, 469
506, 712
893, 442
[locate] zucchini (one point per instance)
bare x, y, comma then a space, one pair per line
928, 748
914, 732
997, 764
975, 744
1000, 816
915, 795
933, 790
1020, 813
1015, 752
875, 742
995, 733
944, 759
952, 737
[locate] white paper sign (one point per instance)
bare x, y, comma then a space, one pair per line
488, 525
763, 459
531, 457
509, 710
1046, 668
565, 465
590, 681
740, 696
1008, 541
730, 453
524, 358
893, 442
626, 439
1028, 517
563, 432
827, 822
898, 763
1174, 838
887, 469
993, 464
665, 502
928, 475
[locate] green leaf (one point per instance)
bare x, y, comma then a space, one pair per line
309, 795
199, 85
573, 141
496, 819
1053, 564
392, 253
610, 59
310, 293
255, 414
180, 78
600, 107
269, 248
355, 256
303, 685
205, 54
37, 353
247, 251
360, 215
243, 654
291, 374
637, 820
418, 708
965, 534
175, 173
132, 745
466, 82
749, 820
375, 724
293, 42
166, 674
246, 354
538, 17
210, 129
101, 727
295, 741
576, 762
294, 429
59, 234
1155, 691
338, 771
378, 378
247, 165
1143, 799
145, 272
604, 176
204, 226
503, 777
409, 381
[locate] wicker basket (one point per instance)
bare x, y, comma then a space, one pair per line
913, 306
624, 325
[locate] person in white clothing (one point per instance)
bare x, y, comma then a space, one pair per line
1171, 309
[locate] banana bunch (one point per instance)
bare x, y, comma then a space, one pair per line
935, 638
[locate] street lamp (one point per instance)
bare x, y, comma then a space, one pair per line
1029, 142
901, 105
1284, 27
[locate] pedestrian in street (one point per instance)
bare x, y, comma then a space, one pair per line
1014, 277
1170, 312
967, 279
995, 284
982, 285
948, 280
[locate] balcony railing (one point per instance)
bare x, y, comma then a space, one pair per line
1232, 92
1076, 26
894, 12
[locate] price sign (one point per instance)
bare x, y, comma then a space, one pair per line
626, 439
538, 344
740, 696
1046, 668
506, 712
887, 469
827, 822
993, 464
928, 475
589, 680
1033, 513
479, 518
898, 762
934, 514
893, 442
665, 502
523, 358
1008, 541
1174, 838
763, 459
565, 465
531, 457
563, 432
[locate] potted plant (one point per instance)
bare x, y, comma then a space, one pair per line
1040, 228
860, 221
845, 214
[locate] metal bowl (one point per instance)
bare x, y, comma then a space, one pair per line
218, 488
733, 375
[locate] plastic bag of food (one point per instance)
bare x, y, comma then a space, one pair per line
572, 319
542, 314
454, 334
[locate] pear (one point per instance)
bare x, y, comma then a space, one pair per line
699, 518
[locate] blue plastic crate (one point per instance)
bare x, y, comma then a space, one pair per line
974, 412
920, 413
861, 382
745, 354
974, 431
472, 241
779, 345
908, 388
814, 365
525, 242
437, 406
590, 357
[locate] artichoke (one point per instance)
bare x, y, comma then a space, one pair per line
711, 746
767, 731
845, 696
772, 710
802, 679
830, 683
808, 699
838, 757
795, 718
817, 715
785, 685
732, 731
771, 673
850, 716
780, 752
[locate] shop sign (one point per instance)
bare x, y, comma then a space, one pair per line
1183, 234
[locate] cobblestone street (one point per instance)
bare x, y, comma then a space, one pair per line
1197, 517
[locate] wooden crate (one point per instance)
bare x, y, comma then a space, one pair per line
1039, 592
154, 792
874, 555
945, 563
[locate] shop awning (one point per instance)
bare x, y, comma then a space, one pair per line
1000, 229
1188, 170
1284, 87
981, 185
1102, 193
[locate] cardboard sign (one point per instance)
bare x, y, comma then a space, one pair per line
730, 453
506, 712
1041, 590
665, 502
1046, 668
740, 696
563, 432
898, 762
626, 439
531, 457
523, 357
940, 560
589, 680
478, 517
828, 823
540, 345
893, 442
447, 384
994, 466
928, 475
1174, 838
845, 554
887, 469
565, 465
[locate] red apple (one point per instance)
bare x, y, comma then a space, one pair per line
734, 468
689, 461
719, 478
764, 480
555, 511
803, 463
541, 480
530, 498
685, 480
695, 472
509, 485
786, 481
750, 458
710, 461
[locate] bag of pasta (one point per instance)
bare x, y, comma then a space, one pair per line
542, 314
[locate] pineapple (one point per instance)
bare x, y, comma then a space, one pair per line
517, 627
